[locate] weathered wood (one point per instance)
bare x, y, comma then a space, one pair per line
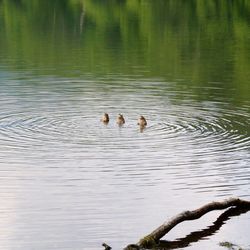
106, 246
154, 237
203, 233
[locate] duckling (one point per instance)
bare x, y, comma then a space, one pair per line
142, 122
120, 120
105, 118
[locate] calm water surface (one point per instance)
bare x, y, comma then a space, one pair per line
70, 182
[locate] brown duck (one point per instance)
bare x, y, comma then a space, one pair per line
105, 118
142, 122
120, 120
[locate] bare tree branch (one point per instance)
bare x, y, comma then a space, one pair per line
154, 237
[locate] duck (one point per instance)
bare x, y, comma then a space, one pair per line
105, 118
120, 120
142, 122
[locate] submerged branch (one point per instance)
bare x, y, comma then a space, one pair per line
153, 239
201, 234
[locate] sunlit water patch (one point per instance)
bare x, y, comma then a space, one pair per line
62, 170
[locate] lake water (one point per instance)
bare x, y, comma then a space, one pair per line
70, 182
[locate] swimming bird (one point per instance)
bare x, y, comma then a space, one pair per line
120, 120
142, 122
105, 118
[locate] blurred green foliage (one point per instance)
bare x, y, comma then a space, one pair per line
203, 42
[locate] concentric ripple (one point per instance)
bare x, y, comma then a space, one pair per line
58, 160
70, 118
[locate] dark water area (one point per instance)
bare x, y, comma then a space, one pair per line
67, 181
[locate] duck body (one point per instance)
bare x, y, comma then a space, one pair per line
120, 120
142, 121
105, 118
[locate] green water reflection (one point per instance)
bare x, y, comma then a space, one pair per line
204, 43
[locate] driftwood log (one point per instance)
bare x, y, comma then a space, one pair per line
203, 233
153, 239
106, 246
